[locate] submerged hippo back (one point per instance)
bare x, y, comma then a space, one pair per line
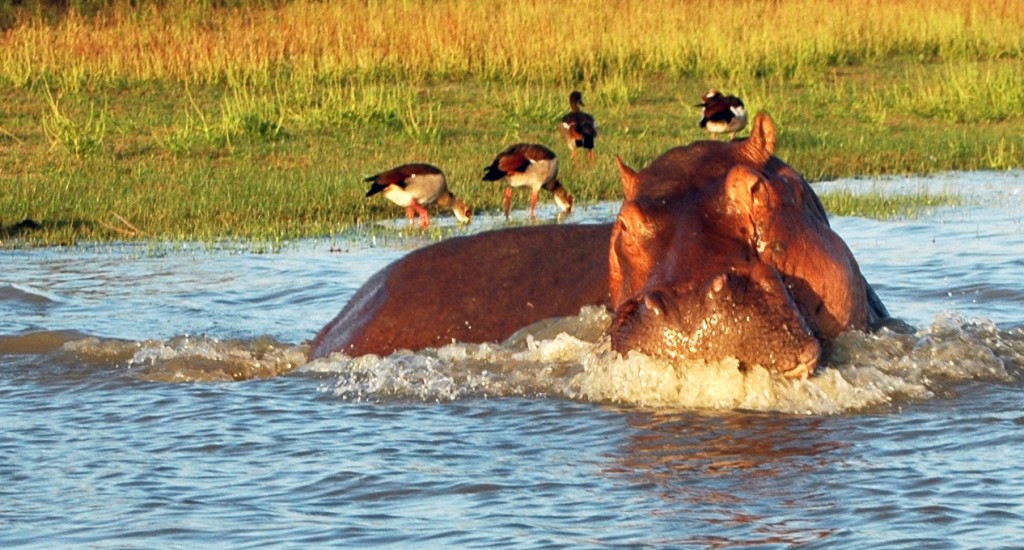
480, 288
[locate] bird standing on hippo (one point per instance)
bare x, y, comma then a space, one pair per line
720, 249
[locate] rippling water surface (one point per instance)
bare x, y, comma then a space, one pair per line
163, 400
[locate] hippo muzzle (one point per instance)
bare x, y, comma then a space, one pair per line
747, 316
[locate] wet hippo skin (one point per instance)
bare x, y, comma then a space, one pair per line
687, 282
474, 289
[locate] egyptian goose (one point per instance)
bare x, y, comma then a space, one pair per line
414, 186
578, 128
529, 165
722, 113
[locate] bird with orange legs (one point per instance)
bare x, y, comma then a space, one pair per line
529, 165
415, 186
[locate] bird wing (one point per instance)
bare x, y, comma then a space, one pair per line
587, 125
514, 161
577, 125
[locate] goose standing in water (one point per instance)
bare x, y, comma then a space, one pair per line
529, 165
414, 186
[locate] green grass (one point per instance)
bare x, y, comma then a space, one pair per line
265, 134
886, 206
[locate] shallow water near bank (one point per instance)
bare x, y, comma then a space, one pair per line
164, 400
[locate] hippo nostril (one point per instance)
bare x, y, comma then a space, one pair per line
655, 302
808, 360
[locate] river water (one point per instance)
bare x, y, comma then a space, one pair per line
159, 398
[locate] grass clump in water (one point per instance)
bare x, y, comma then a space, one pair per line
881, 205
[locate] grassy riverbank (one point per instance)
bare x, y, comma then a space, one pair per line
177, 121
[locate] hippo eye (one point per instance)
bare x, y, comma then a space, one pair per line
630, 230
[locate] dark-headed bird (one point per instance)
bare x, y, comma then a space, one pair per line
578, 128
722, 114
529, 165
414, 186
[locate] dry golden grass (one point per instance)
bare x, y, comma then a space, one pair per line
560, 41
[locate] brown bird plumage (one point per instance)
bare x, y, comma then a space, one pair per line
414, 186
578, 128
722, 114
529, 165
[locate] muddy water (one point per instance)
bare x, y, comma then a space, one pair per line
162, 399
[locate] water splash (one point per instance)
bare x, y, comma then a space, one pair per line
570, 358
179, 359
187, 359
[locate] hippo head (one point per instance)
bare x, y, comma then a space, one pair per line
686, 281
675, 180
732, 217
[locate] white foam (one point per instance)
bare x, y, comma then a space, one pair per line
868, 370
187, 359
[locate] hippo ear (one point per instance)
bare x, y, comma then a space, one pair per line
742, 186
630, 179
760, 146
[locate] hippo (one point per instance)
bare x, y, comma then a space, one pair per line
716, 232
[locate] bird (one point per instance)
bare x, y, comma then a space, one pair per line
414, 186
529, 165
578, 128
722, 113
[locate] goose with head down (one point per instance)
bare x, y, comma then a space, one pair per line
415, 186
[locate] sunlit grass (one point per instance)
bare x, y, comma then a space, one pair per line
881, 205
501, 41
180, 121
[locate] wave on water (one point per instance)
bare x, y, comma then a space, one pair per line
186, 359
179, 359
865, 371
568, 358
26, 295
